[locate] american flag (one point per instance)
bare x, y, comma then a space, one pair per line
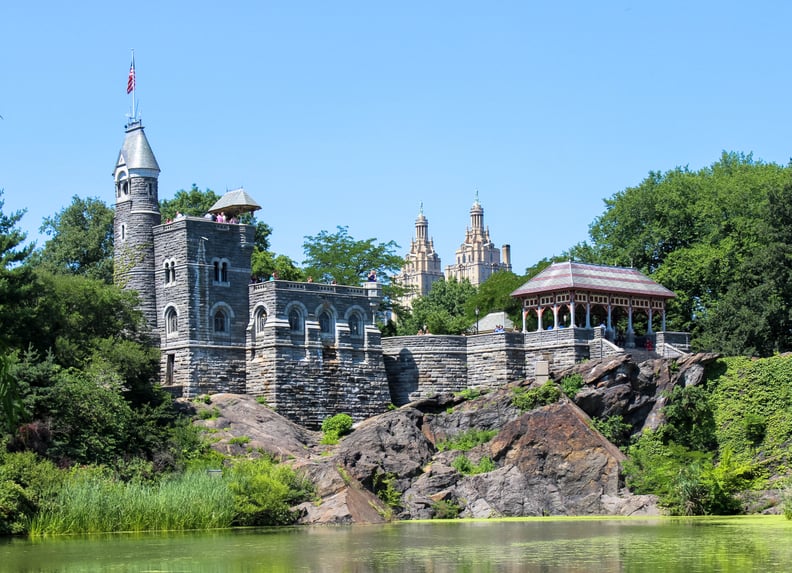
131, 79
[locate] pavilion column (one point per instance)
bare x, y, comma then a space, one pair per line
525, 312
539, 313
572, 313
610, 320
588, 316
663, 319
555, 316
649, 327
630, 342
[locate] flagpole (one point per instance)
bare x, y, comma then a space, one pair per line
134, 86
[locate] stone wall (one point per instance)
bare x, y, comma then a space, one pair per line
310, 369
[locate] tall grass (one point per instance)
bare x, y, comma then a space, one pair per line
93, 504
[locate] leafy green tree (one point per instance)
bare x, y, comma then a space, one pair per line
192, 202
340, 257
494, 295
442, 310
81, 240
704, 234
17, 284
265, 263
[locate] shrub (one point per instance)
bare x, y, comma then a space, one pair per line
385, 490
786, 502
614, 428
445, 509
467, 440
463, 465
262, 400
209, 414
239, 440
572, 384
525, 400
336, 426
264, 492
468, 393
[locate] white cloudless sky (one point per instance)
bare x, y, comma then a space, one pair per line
355, 113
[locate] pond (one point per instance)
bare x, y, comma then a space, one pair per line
531, 545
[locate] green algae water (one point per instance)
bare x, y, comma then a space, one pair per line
538, 545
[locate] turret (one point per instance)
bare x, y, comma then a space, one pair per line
137, 212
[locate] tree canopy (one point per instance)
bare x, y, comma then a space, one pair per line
81, 240
338, 256
441, 311
718, 237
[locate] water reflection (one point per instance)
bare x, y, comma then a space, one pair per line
689, 546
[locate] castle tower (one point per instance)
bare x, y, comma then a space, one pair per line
421, 265
477, 258
137, 212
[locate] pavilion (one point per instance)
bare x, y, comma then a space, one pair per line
577, 292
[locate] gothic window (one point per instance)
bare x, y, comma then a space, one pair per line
171, 321
295, 320
221, 267
355, 325
325, 322
150, 189
170, 272
220, 322
261, 320
123, 232
125, 187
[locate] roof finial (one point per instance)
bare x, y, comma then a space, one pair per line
476, 202
420, 209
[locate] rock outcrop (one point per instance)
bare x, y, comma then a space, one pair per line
547, 461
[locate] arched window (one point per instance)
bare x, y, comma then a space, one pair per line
221, 267
171, 321
261, 320
325, 322
220, 321
295, 320
355, 325
170, 271
123, 232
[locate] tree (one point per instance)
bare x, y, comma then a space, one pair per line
341, 258
265, 263
81, 240
17, 285
697, 233
442, 310
494, 295
194, 202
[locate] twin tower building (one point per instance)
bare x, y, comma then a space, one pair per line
476, 258
310, 350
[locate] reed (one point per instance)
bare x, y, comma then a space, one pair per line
94, 504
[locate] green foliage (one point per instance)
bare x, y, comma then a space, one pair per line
469, 393
571, 385
494, 295
27, 484
264, 492
686, 482
467, 440
441, 311
265, 263
262, 400
525, 400
750, 400
614, 428
91, 501
81, 240
336, 426
385, 490
193, 202
445, 509
689, 419
11, 404
208, 413
339, 256
720, 239
463, 465
786, 502
239, 440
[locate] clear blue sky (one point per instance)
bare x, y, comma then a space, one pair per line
353, 113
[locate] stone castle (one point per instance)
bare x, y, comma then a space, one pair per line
312, 350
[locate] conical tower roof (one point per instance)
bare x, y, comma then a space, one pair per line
136, 152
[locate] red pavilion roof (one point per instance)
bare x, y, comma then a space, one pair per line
583, 276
